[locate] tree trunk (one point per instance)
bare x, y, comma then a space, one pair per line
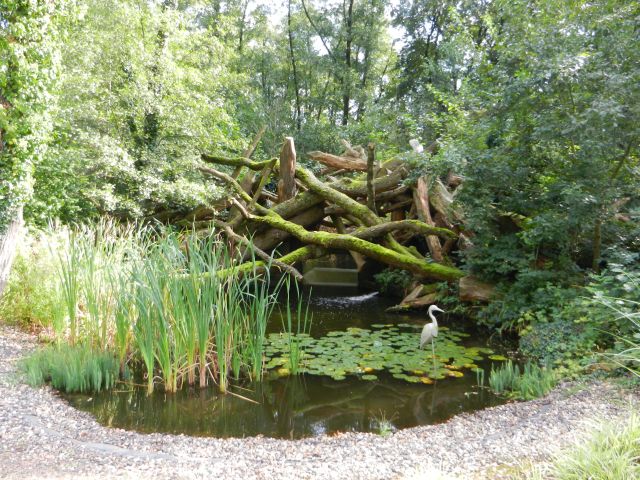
346, 99
338, 162
8, 244
287, 183
421, 199
371, 160
295, 72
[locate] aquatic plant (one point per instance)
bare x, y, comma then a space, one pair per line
365, 352
302, 325
72, 368
383, 424
69, 267
171, 302
532, 381
480, 377
259, 305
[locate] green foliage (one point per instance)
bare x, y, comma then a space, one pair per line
28, 56
625, 312
69, 368
565, 326
393, 282
557, 130
143, 91
32, 297
526, 383
559, 343
170, 302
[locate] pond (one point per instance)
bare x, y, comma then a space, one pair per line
352, 331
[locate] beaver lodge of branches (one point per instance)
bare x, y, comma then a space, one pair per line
353, 204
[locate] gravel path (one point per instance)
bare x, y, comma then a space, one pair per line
41, 436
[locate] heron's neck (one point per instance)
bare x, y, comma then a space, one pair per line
433, 318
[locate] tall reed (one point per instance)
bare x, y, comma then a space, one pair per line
173, 303
69, 272
302, 325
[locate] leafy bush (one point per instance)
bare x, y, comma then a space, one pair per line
72, 368
393, 282
32, 296
559, 342
565, 323
532, 381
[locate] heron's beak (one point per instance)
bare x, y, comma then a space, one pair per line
437, 309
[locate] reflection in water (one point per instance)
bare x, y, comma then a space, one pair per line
287, 408
302, 406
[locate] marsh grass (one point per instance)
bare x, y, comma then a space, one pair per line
72, 368
172, 303
529, 382
480, 378
296, 334
383, 424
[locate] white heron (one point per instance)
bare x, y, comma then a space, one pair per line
430, 331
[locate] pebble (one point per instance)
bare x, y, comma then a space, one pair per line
43, 437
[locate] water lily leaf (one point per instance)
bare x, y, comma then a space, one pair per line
358, 351
498, 357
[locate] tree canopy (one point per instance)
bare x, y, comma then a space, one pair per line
533, 104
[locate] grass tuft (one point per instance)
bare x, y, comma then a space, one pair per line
532, 381
72, 368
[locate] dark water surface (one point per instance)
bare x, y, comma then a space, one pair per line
304, 405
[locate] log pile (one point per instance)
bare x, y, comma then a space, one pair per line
354, 204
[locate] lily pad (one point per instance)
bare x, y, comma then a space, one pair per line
498, 357
360, 351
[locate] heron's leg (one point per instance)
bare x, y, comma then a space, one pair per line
433, 351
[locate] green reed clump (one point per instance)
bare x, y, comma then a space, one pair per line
258, 305
295, 335
532, 381
191, 321
173, 303
72, 368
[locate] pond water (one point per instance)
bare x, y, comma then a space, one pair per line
305, 405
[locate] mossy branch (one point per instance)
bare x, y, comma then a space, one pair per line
342, 241
237, 161
376, 252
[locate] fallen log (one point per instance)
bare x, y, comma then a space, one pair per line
287, 182
341, 241
421, 200
268, 239
337, 162
285, 267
